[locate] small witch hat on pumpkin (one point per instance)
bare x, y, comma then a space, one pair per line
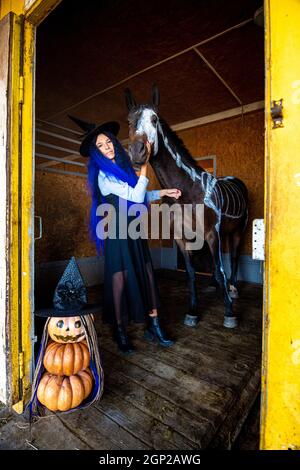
70, 296
69, 300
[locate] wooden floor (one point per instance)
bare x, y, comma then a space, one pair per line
193, 395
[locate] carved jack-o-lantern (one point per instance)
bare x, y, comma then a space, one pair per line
66, 329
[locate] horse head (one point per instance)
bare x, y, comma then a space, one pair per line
143, 127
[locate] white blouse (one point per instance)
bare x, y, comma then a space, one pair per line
110, 185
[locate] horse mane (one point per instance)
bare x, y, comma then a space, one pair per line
177, 144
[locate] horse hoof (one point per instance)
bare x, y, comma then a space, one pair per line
233, 292
191, 320
230, 322
233, 295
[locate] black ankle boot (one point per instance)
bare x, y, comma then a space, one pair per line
154, 333
122, 340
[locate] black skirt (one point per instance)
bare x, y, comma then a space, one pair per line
130, 288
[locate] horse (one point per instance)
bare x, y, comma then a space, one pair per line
225, 199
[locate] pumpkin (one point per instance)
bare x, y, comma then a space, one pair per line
60, 393
66, 329
66, 359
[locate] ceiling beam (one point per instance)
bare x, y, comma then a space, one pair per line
229, 113
167, 59
218, 76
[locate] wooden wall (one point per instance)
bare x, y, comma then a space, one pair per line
63, 201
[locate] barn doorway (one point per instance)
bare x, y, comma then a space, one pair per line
211, 81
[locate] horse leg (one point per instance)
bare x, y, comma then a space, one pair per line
235, 243
213, 283
191, 318
230, 320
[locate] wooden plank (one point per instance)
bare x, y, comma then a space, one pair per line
229, 370
220, 340
199, 398
233, 344
210, 353
144, 427
198, 431
99, 431
224, 368
48, 433
228, 431
216, 336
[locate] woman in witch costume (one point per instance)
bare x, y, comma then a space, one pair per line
130, 290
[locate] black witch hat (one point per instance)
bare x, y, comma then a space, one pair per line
91, 130
70, 296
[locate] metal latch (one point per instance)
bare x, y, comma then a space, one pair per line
40, 227
258, 239
276, 113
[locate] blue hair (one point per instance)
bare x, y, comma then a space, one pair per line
121, 170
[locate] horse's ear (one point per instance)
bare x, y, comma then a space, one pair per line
155, 95
130, 101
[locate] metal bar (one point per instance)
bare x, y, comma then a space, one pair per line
46, 164
51, 146
60, 160
58, 127
58, 136
218, 76
150, 67
62, 172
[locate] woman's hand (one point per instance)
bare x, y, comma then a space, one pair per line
176, 193
144, 169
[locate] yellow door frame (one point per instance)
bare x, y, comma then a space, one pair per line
25, 17
281, 343
280, 410
25, 207
15, 225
